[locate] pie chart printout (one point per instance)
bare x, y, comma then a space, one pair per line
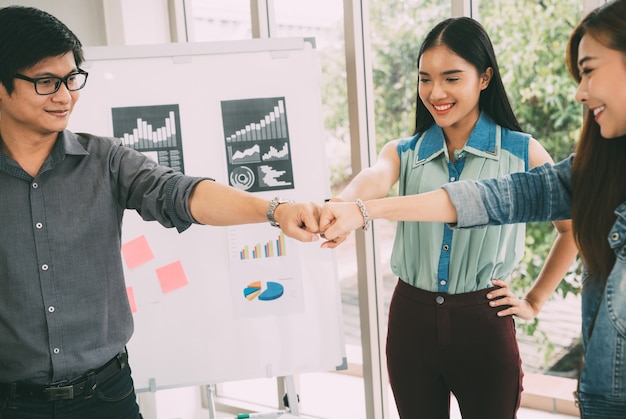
271, 291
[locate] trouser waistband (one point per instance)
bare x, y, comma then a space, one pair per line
441, 298
69, 389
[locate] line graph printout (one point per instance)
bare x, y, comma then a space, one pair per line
266, 272
256, 137
153, 130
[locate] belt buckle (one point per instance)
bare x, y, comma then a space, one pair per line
58, 393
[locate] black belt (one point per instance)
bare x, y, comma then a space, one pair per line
69, 389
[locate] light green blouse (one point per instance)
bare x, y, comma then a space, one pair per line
433, 257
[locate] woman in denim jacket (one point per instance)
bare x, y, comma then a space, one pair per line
589, 187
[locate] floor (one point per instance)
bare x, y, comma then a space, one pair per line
328, 396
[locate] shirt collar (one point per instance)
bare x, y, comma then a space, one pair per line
66, 144
70, 144
482, 141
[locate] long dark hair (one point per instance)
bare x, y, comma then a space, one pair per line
599, 172
469, 40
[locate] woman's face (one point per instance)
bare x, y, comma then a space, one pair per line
450, 87
603, 85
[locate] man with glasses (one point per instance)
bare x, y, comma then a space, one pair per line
48, 85
65, 319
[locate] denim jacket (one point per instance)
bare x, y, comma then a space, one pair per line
544, 194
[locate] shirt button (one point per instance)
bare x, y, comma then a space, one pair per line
439, 300
44, 267
446, 247
51, 309
615, 236
452, 179
39, 225
442, 282
35, 185
56, 350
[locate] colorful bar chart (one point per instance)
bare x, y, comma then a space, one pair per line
272, 248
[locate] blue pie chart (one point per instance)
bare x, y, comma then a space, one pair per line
271, 291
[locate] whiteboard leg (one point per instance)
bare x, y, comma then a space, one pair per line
210, 394
292, 395
147, 405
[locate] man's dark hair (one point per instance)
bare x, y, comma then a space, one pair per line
29, 35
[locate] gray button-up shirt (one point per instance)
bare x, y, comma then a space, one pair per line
63, 303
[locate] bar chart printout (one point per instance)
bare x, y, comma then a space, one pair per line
257, 145
266, 273
152, 130
272, 248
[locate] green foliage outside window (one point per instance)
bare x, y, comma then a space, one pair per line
530, 38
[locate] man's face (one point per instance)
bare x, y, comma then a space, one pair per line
27, 113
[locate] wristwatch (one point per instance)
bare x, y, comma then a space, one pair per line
274, 203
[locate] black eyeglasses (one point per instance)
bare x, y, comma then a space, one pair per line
50, 85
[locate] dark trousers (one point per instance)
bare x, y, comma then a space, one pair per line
113, 399
439, 344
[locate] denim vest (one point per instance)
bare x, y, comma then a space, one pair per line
433, 257
543, 194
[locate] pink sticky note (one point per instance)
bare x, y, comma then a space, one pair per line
172, 277
131, 299
137, 252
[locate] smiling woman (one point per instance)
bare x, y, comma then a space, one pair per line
465, 129
553, 192
599, 67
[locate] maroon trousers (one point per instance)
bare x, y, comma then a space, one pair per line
439, 344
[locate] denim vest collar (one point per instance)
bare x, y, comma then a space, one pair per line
484, 141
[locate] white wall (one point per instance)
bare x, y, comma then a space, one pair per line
83, 17
109, 22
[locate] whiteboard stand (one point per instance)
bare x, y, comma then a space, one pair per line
210, 394
288, 384
286, 388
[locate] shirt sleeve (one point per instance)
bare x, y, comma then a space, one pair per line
156, 192
541, 194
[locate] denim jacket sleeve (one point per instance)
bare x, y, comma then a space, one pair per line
541, 194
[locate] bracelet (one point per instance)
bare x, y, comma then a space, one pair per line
366, 217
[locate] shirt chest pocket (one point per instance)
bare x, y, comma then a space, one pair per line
617, 238
616, 283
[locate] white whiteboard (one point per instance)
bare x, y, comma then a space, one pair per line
199, 318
